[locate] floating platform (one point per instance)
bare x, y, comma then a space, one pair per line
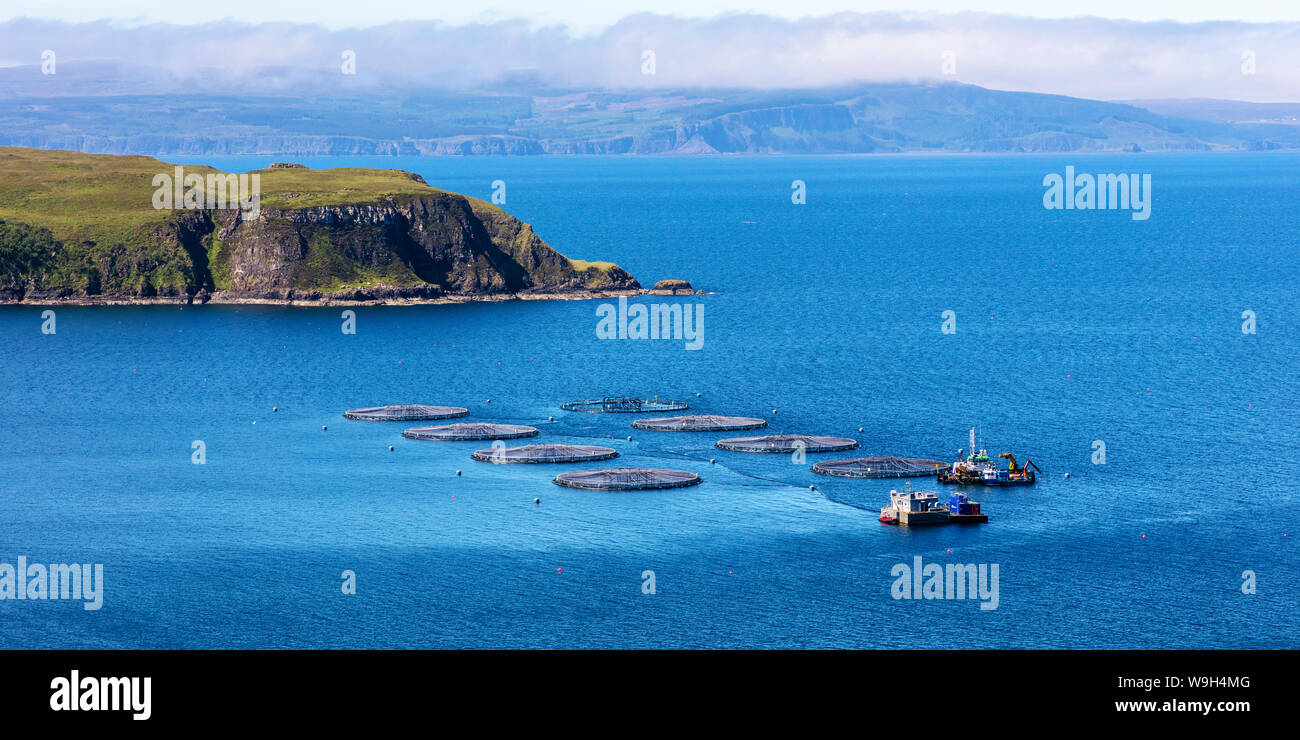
624, 405
545, 453
880, 467
923, 507
786, 443
470, 431
406, 412
627, 479
699, 423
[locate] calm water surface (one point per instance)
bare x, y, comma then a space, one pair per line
1072, 327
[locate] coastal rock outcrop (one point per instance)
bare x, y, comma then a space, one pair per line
327, 235
672, 287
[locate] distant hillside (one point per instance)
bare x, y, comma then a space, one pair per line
84, 228
1224, 111
145, 117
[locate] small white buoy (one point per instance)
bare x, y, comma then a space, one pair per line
254, 422
537, 501
774, 411
697, 395
713, 461
323, 427
457, 472
275, 408
390, 448
861, 429
1067, 475
489, 401
550, 418
812, 488
629, 439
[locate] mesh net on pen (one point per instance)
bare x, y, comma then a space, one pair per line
626, 479
880, 467
470, 431
699, 423
406, 412
545, 453
786, 443
624, 405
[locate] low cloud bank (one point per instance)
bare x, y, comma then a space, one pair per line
1084, 57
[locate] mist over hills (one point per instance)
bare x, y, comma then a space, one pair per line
111, 108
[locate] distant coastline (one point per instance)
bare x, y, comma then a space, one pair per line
902, 117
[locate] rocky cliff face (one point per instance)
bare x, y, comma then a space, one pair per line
416, 247
427, 248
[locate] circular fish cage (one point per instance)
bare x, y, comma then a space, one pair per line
545, 453
880, 467
406, 412
699, 423
624, 405
470, 431
786, 443
626, 479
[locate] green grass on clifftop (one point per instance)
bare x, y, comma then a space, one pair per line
78, 195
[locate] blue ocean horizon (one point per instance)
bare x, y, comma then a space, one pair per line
1072, 327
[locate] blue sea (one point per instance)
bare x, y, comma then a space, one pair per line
1072, 329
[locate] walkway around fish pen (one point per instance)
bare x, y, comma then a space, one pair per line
881, 467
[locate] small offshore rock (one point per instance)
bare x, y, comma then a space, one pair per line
672, 287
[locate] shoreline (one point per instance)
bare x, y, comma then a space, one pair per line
219, 300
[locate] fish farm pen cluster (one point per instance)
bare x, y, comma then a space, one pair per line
907, 507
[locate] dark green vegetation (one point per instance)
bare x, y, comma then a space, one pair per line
70, 113
80, 226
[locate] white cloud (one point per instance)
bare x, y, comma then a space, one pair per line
1085, 57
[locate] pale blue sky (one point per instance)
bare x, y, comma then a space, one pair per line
593, 15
